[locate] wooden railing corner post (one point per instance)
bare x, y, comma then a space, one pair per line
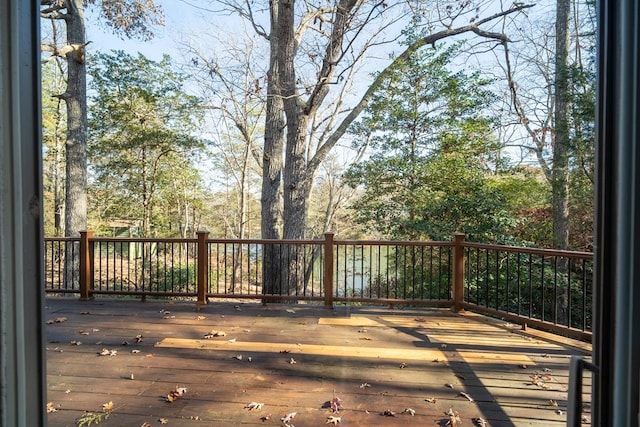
86, 264
203, 266
458, 271
328, 270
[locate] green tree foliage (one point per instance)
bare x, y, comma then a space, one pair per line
141, 125
433, 146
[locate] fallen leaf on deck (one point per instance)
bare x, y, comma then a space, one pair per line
254, 405
175, 394
523, 366
145, 424
135, 351
460, 376
238, 357
366, 338
265, 418
292, 361
107, 352
214, 334
107, 407
285, 351
84, 312
76, 342
362, 331
409, 411
139, 338
467, 396
559, 412
454, 419
552, 402
163, 421
431, 400
289, 310
84, 332
365, 385
56, 320
232, 340
480, 422
50, 407
449, 385
335, 404
389, 413
403, 365
443, 346
288, 418
333, 420
200, 318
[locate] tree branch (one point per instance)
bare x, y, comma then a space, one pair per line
410, 50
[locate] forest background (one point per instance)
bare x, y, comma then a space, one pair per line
282, 119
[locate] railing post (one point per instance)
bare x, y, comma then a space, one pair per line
86, 262
328, 270
458, 271
203, 266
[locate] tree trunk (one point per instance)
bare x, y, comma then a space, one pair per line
272, 160
75, 213
560, 172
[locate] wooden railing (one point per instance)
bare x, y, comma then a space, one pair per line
539, 287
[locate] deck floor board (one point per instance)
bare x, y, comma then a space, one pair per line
296, 358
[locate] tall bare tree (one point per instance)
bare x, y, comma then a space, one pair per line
132, 18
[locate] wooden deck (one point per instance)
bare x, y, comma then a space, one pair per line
297, 358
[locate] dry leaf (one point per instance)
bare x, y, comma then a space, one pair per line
292, 361
365, 385
454, 419
50, 407
139, 338
56, 320
200, 318
443, 345
552, 402
254, 405
76, 342
403, 365
333, 420
467, 396
135, 351
430, 400
285, 351
449, 385
409, 411
163, 421
389, 413
335, 404
480, 422
289, 310
84, 332
238, 357
175, 394
145, 424
232, 340
288, 418
84, 312
107, 407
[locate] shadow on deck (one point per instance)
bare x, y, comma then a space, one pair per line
296, 358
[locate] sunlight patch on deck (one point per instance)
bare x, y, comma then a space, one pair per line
387, 353
349, 321
312, 349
